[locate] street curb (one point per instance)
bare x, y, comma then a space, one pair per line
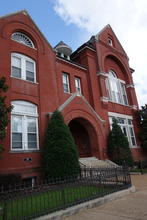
86, 205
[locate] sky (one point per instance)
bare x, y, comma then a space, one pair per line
75, 21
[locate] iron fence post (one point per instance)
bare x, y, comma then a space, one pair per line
63, 198
141, 167
5, 211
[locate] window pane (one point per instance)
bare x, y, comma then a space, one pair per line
17, 132
32, 136
65, 86
123, 88
78, 84
131, 131
30, 71
30, 66
132, 136
17, 140
30, 76
16, 61
133, 141
65, 83
16, 67
129, 121
16, 72
125, 131
65, 78
121, 120
24, 107
17, 124
32, 141
31, 125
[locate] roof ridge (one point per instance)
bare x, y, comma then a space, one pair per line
23, 11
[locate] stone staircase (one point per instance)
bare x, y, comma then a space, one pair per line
94, 162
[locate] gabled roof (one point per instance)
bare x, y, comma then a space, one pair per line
106, 27
72, 97
24, 12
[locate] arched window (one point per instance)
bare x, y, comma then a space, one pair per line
23, 67
24, 126
116, 89
23, 39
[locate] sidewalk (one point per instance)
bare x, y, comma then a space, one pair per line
130, 207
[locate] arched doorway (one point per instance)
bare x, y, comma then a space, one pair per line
82, 133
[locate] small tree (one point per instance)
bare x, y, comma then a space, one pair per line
118, 146
143, 126
4, 111
60, 158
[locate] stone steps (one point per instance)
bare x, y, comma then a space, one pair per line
95, 162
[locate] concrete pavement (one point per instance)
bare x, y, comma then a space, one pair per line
129, 207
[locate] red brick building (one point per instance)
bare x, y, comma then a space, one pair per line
89, 86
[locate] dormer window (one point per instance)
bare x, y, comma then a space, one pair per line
22, 39
110, 42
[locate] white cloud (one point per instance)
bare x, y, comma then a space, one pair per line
128, 20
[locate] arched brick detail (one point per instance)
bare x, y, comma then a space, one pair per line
119, 64
94, 127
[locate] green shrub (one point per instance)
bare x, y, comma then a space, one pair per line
118, 146
60, 157
143, 126
4, 112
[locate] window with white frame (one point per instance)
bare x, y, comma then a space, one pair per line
23, 67
78, 85
24, 126
65, 79
127, 128
116, 89
23, 39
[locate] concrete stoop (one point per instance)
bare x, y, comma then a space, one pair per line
86, 205
93, 162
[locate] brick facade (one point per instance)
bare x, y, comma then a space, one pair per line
87, 114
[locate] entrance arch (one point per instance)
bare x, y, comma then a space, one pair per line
84, 135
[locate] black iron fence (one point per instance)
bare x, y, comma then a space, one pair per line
139, 166
27, 202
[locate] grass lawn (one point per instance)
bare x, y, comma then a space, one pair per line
45, 202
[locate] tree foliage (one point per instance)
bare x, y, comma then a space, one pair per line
118, 146
60, 158
143, 126
4, 111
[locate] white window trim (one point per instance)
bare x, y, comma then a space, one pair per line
24, 127
120, 92
117, 115
25, 37
78, 89
23, 66
126, 117
68, 84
